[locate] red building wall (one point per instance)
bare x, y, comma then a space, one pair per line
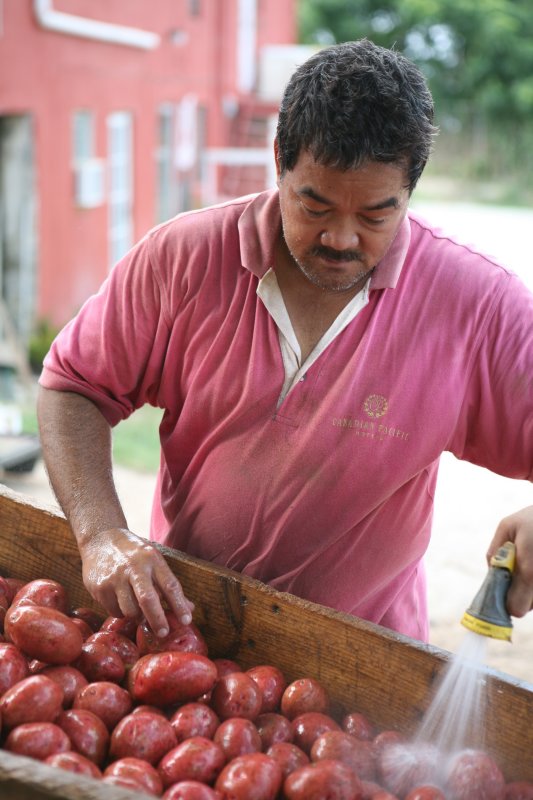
49, 75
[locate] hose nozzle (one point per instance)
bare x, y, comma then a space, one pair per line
487, 614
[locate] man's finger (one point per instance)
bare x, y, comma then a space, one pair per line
171, 590
519, 597
150, 604
128, 603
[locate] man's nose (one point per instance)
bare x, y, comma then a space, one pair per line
340, 236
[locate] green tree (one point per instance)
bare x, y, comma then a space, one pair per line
476, 54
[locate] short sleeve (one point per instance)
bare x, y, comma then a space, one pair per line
495, 428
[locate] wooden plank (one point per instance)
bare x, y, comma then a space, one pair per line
365, 667
26, 779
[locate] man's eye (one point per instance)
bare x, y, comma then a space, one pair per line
312, 212
374, 220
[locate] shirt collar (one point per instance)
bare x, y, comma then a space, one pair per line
259, 224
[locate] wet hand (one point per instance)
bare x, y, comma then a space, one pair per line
518, 528
129, 577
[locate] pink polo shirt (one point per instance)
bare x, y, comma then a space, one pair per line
330, 495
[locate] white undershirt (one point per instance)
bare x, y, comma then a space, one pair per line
269, 292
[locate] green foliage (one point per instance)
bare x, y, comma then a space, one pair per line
39, 344
478, 59
136, 440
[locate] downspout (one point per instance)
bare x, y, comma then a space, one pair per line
58, 21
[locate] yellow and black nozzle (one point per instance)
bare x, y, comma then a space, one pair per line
487, 614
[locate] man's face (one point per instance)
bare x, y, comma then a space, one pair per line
338, 225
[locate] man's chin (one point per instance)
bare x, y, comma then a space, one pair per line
335, 280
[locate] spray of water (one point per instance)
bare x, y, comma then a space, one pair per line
453, 721
456, 714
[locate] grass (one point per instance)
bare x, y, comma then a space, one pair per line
135, 441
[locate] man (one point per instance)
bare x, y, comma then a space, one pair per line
315, 349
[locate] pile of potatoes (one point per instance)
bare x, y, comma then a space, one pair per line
109, 700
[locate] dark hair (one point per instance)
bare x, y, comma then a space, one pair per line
357, 102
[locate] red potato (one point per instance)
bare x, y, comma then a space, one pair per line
43, 592
518, 790
194, 719
324, 779
69, 679
340, 746
14, 585
271, 682
146, 736
309, 726
358, 725
473, 772
236, 695
124, 781
303, 695
165, 679
107, 700
195, 759
127, 626
273, 728
225, 666
33, 699
181, 638
37, 740
191, 790
43, 633
255, 776
150, 709
87, 733
288, 756
83, 628
383, 739
425, 793
127, 651
139, 770
13, 666
74, 762
402, 767
237, 737
371, 790
36, 666
99, 663
89, 617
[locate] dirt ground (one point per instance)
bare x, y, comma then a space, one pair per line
469, 504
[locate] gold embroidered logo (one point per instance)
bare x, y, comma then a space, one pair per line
376, 406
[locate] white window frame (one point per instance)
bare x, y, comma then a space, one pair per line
120, 184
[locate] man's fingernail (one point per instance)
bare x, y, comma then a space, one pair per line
186, 619
162, 632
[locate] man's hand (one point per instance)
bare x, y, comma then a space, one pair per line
129, 577
518, 528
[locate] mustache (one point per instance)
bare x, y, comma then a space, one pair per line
337, 255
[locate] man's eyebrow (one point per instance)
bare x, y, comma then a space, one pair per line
390, 202
308, 191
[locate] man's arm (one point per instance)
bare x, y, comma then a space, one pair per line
518, 528
121, 570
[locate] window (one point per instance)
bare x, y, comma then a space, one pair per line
82, 136
120, 184
167, 190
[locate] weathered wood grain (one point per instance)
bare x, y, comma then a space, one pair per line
365, 667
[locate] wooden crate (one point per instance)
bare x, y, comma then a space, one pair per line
365, 667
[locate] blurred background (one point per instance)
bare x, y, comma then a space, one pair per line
117, 114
